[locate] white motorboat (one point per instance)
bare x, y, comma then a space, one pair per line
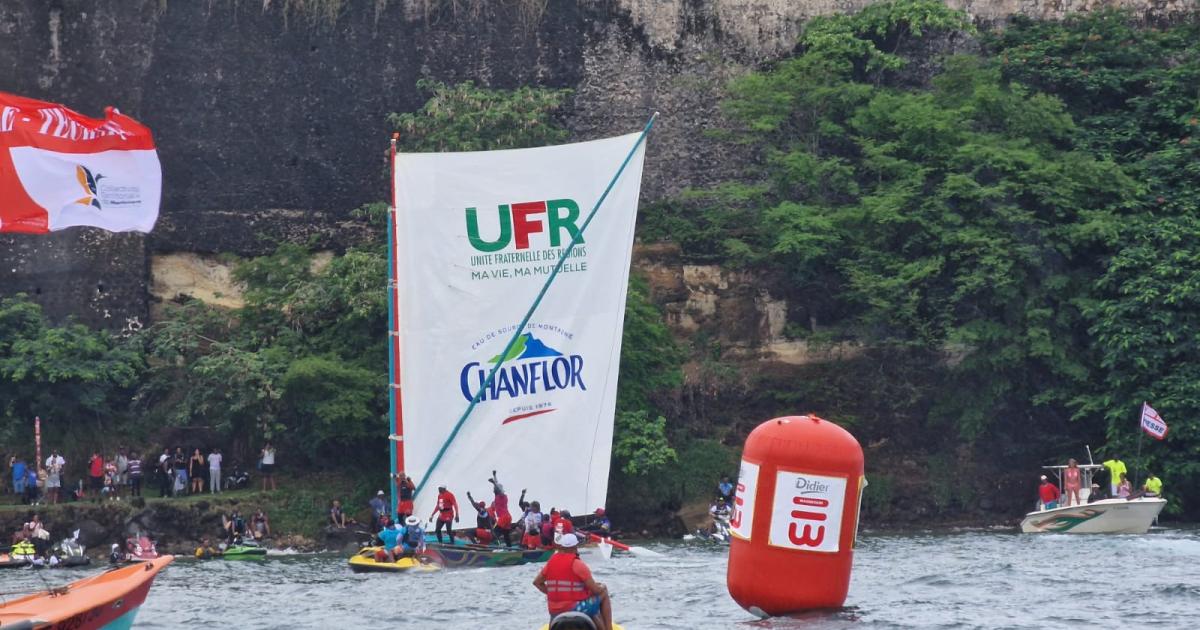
1103, 516
1107, 516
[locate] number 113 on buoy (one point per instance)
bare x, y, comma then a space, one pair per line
795, 516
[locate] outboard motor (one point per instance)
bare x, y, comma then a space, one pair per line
572, 620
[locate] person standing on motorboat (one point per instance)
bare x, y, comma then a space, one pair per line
1072, 483
567, 582
1152, 487
1048, 493
1124, 489
1116, 468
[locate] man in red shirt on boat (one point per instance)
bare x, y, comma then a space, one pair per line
1048, 492
567, 582
445, 511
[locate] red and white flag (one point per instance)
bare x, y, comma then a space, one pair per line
59, 169
1152, 423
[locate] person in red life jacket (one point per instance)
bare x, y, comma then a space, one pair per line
562, 524
567, 582
406, 488
532, 538
548, 522
446, 511
484, 522
504, 520
1048, 492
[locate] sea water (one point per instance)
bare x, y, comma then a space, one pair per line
967, 579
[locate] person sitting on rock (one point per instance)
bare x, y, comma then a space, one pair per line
260, 527
234, 526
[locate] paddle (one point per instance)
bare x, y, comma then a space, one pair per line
637, 551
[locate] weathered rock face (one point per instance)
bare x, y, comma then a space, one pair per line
271, 122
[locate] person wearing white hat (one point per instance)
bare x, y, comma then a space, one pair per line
1048, 493
567, 582
412, 537
378, 509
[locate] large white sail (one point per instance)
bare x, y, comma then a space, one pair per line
477, 235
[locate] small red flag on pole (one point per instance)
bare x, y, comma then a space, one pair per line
1152, 423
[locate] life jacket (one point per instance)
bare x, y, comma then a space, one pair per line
445, 506
23, 548
562, 585
413, 536
406, 493
483, 520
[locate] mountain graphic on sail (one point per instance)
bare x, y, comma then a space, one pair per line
527, 347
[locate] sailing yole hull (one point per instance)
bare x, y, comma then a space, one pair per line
1109, 516
471, 556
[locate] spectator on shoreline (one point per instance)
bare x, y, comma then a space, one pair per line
260, 527
337, 518
196, 471
17, 464
378, 509
214, 471
165, 473
55, 466
96, 472
122, 478
267, 463
135, 475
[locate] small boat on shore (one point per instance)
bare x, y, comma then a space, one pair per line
108, 600
1102, 516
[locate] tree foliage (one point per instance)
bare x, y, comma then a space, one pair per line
1021, 203
466, 117
72, 377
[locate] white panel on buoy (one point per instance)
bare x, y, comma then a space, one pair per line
807, 511
741, 518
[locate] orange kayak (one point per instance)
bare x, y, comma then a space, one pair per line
109, 600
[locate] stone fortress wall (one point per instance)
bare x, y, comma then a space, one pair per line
271, 126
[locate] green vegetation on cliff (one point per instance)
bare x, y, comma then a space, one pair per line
1000, 227
304, 361
1019, 207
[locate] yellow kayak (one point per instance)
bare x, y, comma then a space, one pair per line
364, 561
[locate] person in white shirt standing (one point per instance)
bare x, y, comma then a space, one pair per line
55, 464
267, 464
214, 471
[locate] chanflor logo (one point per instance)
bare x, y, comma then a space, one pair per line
519, 220
91, 195
530, 368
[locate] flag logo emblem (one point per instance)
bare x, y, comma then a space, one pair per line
88, 182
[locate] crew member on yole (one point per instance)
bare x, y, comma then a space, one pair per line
567, 582
445, 510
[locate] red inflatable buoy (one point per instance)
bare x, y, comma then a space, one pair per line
795, 516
